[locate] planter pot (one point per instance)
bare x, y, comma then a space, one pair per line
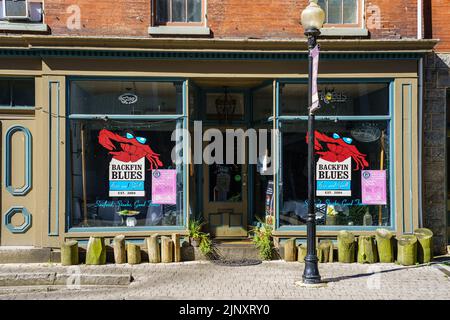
195, 242
131, 222
331, 220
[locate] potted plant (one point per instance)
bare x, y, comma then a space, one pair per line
205, 244
331, 216
129, 214
195, 234
262, 238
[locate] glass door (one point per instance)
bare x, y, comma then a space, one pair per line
225, 198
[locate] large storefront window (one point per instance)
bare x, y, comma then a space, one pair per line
352, 158
122, 173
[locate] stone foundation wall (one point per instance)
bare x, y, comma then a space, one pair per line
436, 82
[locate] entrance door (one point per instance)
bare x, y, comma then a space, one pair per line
225, 198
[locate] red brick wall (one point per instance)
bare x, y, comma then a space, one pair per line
100, 17
437, 22
226, 18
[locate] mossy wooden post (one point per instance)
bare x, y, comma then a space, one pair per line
346, 247
407, 250
96, 251
325, 251
424, 245
166, 250
290, 250
385, 245
69, 253
154, 252
301, 253
120, 256
176, 247
367, 251
133, 253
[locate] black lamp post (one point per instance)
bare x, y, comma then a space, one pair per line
312, 19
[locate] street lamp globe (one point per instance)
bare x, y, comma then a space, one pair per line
312, 17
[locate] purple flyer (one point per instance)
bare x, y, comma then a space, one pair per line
373, 187
164, 187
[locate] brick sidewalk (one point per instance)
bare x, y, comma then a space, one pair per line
269, 280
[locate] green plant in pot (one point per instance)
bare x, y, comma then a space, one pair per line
206, 246
262, 238
195, 234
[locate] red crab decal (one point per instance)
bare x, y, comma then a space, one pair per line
339, 149
131, 148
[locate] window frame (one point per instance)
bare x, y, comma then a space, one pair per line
157, 117
359, 17
156, 22
11, 107
278, 119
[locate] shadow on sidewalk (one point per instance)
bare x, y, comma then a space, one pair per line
436, 261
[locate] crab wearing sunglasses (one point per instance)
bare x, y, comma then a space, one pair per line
339, 149
129, 148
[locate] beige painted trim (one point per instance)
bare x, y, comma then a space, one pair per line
297, 44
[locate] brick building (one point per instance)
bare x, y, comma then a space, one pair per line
84, 82
435, 119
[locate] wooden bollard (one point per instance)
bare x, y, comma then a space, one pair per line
120, 256
166, 250
424, 245
176, 247
325, 251
154, 253
385, 245
96, 251
69, 253
407, 250
367, 251
290, 250
301, 253
133, 253
346, 247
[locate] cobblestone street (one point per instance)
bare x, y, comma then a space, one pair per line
269, 280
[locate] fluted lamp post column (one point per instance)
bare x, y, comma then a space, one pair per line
312, 20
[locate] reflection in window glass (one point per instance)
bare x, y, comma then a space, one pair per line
334, 14
340, 11
337, 99
178, 11
114, 159
125, 97
263, 103
363, 143
263, 183
162, 11
225, 183
349, 11
194, 10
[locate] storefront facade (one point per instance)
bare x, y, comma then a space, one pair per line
94, 138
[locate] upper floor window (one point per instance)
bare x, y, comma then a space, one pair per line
179, 11
21, 10
338, 12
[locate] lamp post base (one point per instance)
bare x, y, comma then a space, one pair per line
311, 273
310, 285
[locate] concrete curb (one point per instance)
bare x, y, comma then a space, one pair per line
68, 279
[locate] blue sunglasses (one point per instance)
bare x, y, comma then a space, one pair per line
346, 140
141, 140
